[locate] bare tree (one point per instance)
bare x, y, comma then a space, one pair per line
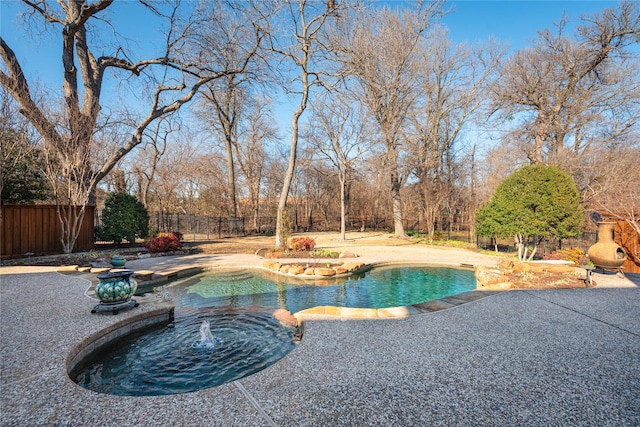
256, 132
338, 134
453, 88
303, 52
569, 98
227, 97
145, 163
380, 49
616, 191
69, 137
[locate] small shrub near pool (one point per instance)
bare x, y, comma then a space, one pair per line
574, 255
164, 242
302, 244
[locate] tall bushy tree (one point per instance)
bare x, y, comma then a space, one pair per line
123, 218
534, 203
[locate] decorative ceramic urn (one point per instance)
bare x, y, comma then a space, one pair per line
116, 286
606, 253
118, 261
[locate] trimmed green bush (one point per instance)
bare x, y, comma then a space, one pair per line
123, 218
534, 203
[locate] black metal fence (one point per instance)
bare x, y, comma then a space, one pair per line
203, 228
582, 241
195, 227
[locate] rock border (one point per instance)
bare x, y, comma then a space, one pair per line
302, 271
509, 274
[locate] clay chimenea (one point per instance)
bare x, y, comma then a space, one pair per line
606, 253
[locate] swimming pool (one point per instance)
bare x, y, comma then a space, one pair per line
225, 327
381, 287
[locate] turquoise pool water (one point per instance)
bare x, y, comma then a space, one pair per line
379, 288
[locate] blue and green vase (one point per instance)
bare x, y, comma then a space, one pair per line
116, 286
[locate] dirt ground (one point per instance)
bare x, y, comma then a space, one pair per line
230, 245
326, 240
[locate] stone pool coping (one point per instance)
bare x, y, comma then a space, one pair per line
160, 278
180, 267
330, 312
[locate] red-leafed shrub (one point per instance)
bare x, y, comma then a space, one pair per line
301, 244
164, 242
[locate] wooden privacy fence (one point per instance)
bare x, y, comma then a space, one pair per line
629, 239
36, 229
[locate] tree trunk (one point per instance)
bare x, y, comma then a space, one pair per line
343, 220
231, 179
281, 231
305, 38
396, 184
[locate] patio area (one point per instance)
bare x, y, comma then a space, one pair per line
535, 357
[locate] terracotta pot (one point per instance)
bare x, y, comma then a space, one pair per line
606, 253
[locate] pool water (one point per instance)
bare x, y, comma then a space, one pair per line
174, 359
379, 288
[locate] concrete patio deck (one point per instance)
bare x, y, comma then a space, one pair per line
548, 357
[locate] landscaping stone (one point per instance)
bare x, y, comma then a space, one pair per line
284, 269
353, 266
271, 265
491, 278
296, 269
347, 255
339, 269
285, 317
528, 275
324, 271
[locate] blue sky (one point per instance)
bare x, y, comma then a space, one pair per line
513, 22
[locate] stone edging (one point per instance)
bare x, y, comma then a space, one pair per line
160, 315
295, 269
